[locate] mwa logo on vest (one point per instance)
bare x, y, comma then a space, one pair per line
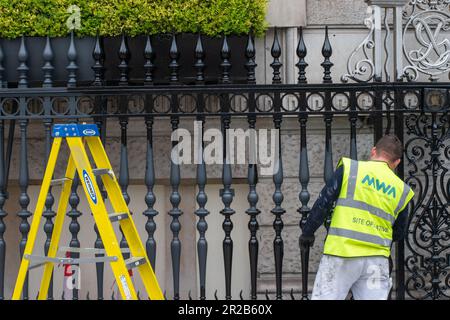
378, 185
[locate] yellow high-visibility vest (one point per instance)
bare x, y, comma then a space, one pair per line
369, 202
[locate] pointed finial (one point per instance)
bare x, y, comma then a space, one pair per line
3, 83
174, 56
199, 61
124, 56
250, 65
98, 55
72, 66
47, 67
225, 64
327, 51
276, 53
149, 56
301, 54
22, 68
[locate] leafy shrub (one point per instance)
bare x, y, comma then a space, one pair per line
134, 17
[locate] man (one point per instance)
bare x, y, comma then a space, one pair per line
370, 213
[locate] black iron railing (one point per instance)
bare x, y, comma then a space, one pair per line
411, 110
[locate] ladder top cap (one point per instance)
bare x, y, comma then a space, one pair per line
75, 130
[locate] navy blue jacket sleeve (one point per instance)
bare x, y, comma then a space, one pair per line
399, 228
324, 203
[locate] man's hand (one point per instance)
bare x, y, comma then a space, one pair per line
306, 240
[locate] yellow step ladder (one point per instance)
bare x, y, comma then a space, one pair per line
77, 136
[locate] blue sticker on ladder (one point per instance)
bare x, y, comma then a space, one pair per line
89, 187
69, 130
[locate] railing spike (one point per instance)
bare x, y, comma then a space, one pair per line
327, 51
276, 53
3, 82
124, 56
149, 56
72, 66
199, 61
98, 55
174, 55
47, 68
250, 64
225, 65
23, 68
301, 54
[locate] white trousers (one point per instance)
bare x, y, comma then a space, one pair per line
366, 277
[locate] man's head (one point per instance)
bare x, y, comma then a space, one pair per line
388, 149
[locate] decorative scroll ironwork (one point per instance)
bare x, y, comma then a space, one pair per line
362, 70
428, 241
430, 54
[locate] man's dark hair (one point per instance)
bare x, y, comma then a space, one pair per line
390, 146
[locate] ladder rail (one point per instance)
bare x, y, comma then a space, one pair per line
57, 229
23, 270
127, 225
104, 225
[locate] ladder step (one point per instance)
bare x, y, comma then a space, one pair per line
134, 262
36, 265
89, 250
117, 216
40, 260
100, 172
58, 182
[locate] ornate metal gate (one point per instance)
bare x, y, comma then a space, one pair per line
420, 49
427, 261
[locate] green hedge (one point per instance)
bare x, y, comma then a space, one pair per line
134, 17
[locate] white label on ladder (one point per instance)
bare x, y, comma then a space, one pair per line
89, 132
126, 290
89, 187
